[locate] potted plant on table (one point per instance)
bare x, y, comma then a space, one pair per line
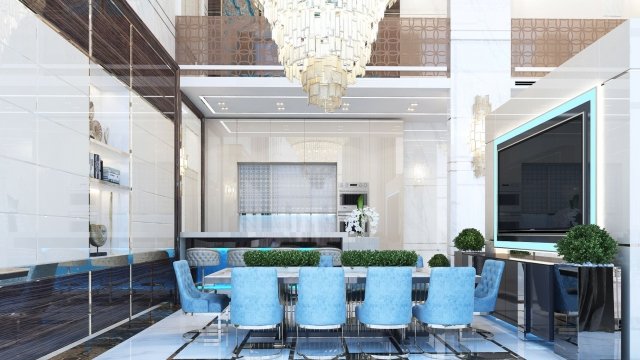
468, 239
439, 260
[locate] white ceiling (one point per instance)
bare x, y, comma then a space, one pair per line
406, 98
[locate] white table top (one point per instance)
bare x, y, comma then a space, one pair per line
290, 275
262, 234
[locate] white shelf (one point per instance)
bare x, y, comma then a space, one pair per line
105, 149
108, 185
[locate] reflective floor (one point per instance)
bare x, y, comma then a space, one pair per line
163, 340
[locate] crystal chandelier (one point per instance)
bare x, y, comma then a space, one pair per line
324, 44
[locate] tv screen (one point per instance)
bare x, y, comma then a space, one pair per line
541, 179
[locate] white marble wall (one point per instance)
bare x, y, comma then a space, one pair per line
480, 65
191, 179
152, 176
425, 209
160, 17
44, 84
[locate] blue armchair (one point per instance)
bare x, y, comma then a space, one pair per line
486, 292
321, 301
194, 301
254, 303
449, 304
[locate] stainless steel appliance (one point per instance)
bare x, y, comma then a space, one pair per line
348, 194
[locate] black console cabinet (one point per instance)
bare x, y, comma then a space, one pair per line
526, 295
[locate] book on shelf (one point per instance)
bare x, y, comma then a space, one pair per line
95, 166
111, 175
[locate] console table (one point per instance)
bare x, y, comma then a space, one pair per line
526, 294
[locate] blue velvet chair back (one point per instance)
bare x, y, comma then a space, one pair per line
254, 297
450, 299
387, 296
325, 261
486, 292
566, 291
321, 296
186, 287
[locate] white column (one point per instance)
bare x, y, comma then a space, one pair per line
480, 65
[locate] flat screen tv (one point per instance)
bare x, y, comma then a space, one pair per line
543, 178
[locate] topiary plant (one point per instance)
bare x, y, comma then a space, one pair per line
587, 244
379, 258
469, 240
439, 260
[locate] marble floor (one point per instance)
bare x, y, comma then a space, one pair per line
163, 340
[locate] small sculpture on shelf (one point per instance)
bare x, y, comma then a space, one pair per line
95, 129
97, 238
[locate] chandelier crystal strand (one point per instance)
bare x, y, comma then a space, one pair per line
324, 44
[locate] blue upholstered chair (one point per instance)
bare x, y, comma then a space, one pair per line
387, 299
254, 303
194, 301
326, 261
486, 292
321, 300
334, 253
449, 304
566, 291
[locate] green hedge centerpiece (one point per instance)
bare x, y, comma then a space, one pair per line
587, 244
282, 258
439, 260
379, 258
469, 240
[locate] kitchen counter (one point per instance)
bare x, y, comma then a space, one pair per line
228, 239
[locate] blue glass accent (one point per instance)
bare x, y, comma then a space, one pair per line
589, 96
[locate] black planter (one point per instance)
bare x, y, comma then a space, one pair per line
584, 307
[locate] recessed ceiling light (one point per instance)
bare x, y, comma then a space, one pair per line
414, 104
279, 104
221, 104
411, 109
281, 109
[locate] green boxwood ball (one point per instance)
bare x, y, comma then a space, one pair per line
469, 240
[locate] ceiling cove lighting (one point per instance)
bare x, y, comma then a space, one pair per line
324, 44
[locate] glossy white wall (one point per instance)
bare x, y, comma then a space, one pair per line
191, 170
44, 83
152, 175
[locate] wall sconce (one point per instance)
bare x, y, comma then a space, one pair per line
419, 173
477, 139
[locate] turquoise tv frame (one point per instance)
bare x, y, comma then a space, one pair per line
590, 97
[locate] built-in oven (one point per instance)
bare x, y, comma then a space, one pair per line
348, 195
